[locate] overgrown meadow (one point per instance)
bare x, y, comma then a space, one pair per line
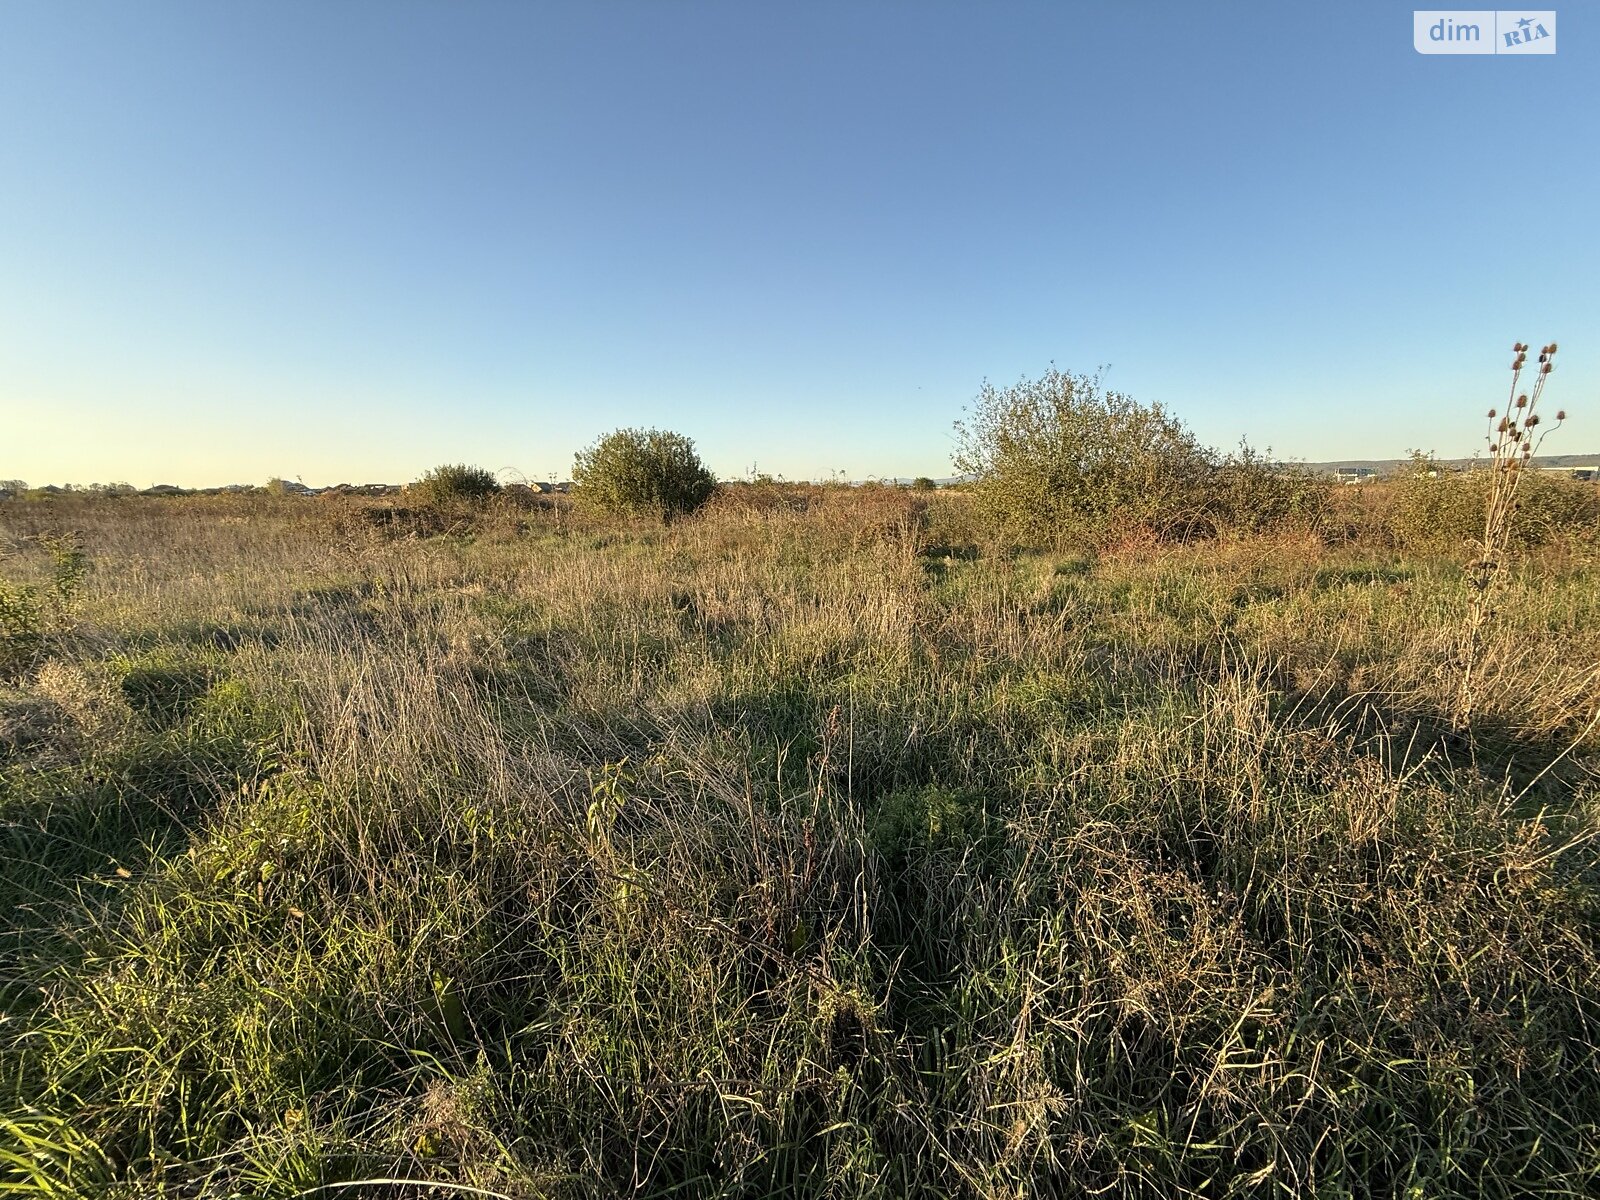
815, 845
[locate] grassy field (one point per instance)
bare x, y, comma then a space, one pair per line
805, 848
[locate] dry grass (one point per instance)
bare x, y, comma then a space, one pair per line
809, 847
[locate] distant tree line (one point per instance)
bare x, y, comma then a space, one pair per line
1058, 460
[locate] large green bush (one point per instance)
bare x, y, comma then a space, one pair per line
456, 482
1060, 459
644, 472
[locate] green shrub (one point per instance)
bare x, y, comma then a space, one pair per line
455, 483
927, 822
644, 472
28, 616
1249, 493
1557, 507
68, 565
22, 628
1441, 509
1435, 507
1060, 459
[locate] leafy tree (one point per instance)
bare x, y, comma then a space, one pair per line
1060, 459
455, 482
644, 471
923, 484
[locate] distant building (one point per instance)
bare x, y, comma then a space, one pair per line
1355, 474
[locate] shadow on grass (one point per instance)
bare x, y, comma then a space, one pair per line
166, 694
1363, 574
74, 837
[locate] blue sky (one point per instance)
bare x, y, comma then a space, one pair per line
350, 241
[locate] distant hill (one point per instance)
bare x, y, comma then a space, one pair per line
1385, 466
1382, 466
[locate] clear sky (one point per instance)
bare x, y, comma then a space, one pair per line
352, 240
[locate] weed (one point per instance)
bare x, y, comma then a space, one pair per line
1513, 440
31, 616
